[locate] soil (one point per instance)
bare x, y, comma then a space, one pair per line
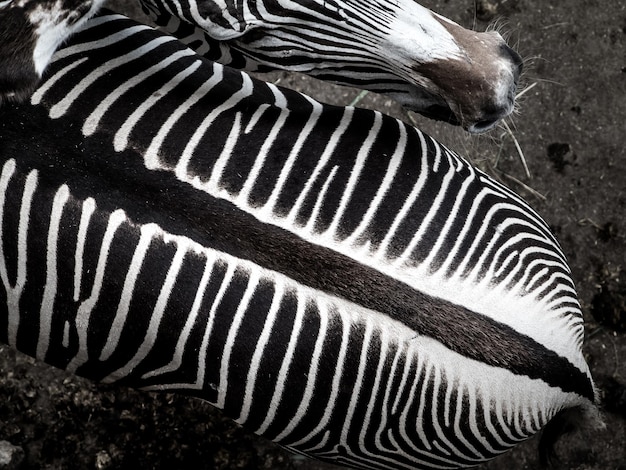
570, 128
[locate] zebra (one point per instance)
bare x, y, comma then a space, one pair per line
328, 277
426, 62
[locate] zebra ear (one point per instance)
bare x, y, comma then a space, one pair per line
565, 422
17, 83
18, 77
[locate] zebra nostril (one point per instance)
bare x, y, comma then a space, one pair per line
483, 125
488, 118
516, 59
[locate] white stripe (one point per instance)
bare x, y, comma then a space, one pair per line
255, 117
228, 277
323, 160
310, 226
452, 217
120, 140
268, 209
50, 289
381, 253
411, 401
458, 425
151, 155
400, 351
93, 120
61, 108
311, 376
390, 176
281, 380
89, 206
245, 91
40, 92
355, 175
213, 184
66, 334
339, 319
268, 142
83, 315
14, 294
356, 391
435, 209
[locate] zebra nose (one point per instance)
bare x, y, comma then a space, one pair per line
489, 116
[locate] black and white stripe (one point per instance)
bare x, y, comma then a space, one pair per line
329, 277
333, 39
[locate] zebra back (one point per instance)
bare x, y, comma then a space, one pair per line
330, 277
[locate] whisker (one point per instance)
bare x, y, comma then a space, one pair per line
518, 147
525, 90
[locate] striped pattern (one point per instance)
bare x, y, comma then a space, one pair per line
337, 41
397, 47
329, 277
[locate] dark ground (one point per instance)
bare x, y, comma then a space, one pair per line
571, 129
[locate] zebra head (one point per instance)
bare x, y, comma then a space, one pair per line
30, 32
466, 77
428, 63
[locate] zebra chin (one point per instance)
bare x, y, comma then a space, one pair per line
436, 109
478, 126
433, 106
476, 118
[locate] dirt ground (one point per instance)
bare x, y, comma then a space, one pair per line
570, 128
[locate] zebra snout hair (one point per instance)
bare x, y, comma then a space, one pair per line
329, 277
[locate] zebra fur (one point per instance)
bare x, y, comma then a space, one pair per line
329, 277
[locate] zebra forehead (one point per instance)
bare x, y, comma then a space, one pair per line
418, 32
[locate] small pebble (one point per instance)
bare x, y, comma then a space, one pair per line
10, 456
486, 10
103, 460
